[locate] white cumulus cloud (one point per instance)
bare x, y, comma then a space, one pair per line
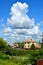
7, 29
20, 26
19, 17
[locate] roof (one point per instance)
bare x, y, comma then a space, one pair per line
16, 45
30, 40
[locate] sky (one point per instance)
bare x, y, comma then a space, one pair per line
21, 20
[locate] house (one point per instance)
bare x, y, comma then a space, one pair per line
15, 45
28, 44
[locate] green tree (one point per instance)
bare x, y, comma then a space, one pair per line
42, 42
42, 39
21, 44
32, 47
3, 43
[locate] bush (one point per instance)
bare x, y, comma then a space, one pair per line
4, 56
33, 47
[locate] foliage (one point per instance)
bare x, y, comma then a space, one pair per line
3, 43
4, 56
42, 42
33, 47
18, 56
21, 44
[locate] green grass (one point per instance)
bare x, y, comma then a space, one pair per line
29, 58
10, 62
7, 62
17, 60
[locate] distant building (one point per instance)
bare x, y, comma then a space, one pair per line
15, 45
28, 44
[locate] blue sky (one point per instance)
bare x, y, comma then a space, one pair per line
11, 28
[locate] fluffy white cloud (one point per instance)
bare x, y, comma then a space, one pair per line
19, 18
19, 8
34, 30
7, 29
20, 26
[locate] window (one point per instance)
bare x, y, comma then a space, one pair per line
28, 45
28, 42
25, 42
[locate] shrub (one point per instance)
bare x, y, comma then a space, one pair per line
4, 56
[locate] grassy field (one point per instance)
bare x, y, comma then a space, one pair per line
29, 58
15, 60
7, 62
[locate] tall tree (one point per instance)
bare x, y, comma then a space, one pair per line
32, 47
21, 44
42, 39
3, 43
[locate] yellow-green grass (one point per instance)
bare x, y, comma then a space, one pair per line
9, 62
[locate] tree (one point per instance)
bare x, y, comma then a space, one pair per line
32, 47
3, 43
42, 42
21, 44
42, 39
